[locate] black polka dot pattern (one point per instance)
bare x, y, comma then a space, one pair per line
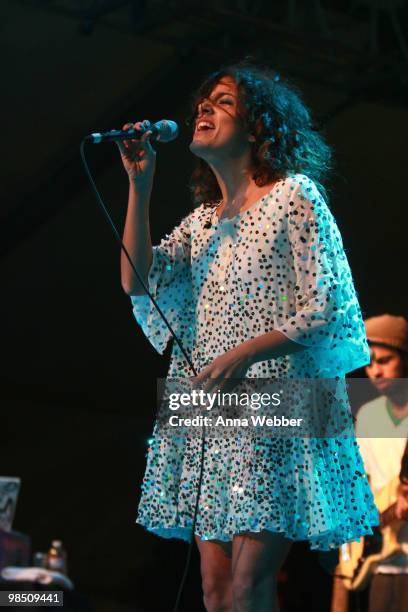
278, 265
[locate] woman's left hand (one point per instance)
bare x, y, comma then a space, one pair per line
231, 365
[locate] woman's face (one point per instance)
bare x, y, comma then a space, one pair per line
219, 132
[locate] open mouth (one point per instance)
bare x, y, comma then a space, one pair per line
202, 126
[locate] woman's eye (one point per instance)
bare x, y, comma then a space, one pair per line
225, 101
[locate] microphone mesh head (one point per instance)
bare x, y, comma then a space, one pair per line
168, 130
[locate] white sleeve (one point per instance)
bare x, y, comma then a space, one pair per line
169, 281
328, 317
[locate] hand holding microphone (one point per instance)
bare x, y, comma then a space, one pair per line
138, 155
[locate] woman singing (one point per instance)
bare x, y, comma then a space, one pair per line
256, 284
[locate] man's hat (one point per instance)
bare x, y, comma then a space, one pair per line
388, 330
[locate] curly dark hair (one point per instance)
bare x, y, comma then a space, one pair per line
286, 142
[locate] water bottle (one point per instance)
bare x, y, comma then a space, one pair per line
57, 557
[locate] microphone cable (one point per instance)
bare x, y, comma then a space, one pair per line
176, 338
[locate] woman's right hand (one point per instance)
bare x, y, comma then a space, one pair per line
138, 156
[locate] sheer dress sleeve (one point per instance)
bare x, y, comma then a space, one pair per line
327, 317
169, 281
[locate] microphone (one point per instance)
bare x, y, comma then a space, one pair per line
163, 131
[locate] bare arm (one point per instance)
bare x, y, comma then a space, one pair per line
138, 158
137, 240
235, 362
271, 345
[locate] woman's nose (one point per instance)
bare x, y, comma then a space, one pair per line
205, 107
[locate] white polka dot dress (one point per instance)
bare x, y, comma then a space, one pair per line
278, 265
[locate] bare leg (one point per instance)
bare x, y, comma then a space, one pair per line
256, 561
216, 574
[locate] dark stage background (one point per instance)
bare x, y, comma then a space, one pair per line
78, 377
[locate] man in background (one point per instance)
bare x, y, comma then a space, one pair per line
382, 431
